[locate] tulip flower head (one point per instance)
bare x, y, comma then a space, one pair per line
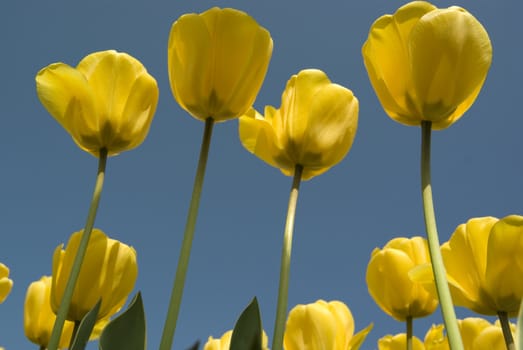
5, 283
484, 260
427, 64
224, 342
217, 62
476, 333
107, 102
322, 325
314, 127
108, 273
389, 283
398, 342
39, 317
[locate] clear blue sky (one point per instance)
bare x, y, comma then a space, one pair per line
369, 198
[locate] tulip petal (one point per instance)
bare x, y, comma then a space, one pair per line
451, 54
258, 136
59, 85
332, 125
464, 256
190, 69
386, 58
505, 264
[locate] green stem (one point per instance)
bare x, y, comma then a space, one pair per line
82, 248
183, 260
283, 291
507, 333
42, 347
440, 275
409, 333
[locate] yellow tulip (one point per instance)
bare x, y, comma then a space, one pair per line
5, 283
224, 342
107, 102
39, 318
476, 333
484, 262
108, 272
217, 62
322, 325
398, 342
427, 64
314, 127
389, 283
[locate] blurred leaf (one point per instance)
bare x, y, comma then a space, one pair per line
86, 328
127, 331
519, 328
247, 333
195, 346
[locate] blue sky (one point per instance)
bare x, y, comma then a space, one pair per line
369, 198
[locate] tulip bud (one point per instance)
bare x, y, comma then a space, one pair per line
217, 62
427, 64
389, 283
322, 325
108, 273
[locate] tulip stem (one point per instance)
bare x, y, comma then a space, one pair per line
82, 248
507, 333
440, 275
185, 252
283, 291
409, 332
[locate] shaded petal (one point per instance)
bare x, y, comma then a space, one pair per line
58, 85
190, 64
465, 257
257, 136
505, 264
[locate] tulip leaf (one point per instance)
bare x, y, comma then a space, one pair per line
247, 333
195, 346
127, 331
519, 328
86, 328
358, 339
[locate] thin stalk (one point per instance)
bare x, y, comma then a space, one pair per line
185, 253
283, 291
80, 254
440, 275
507, 333
409, 332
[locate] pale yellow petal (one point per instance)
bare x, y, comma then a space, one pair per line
58, 85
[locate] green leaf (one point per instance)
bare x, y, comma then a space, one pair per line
195, 346
86, 328
247, 333
127, 331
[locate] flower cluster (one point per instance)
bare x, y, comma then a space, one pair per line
427, 66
